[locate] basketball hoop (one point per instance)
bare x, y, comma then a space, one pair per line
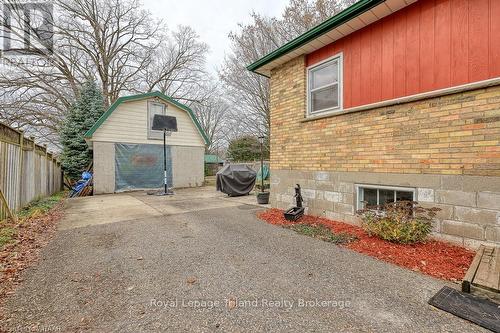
167, 124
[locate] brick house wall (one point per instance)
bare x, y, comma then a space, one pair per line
446, 147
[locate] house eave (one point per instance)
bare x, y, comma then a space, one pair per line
351, 19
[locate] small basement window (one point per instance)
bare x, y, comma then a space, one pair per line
324, 86
374, 195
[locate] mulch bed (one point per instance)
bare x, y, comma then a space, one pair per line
31, 235
435, 258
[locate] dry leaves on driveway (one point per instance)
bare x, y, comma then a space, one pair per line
31, 234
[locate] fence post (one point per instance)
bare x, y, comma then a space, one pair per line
54, 164
51, 167
21, 158
61, 185
4, 201
47, 170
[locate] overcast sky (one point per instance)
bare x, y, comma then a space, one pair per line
212, 19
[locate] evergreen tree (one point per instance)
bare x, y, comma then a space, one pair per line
89, 106
246, 149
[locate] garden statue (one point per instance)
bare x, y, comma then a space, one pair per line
298, 196
295, 213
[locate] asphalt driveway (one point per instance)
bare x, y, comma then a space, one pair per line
200, 262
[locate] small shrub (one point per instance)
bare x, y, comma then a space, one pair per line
400, 222
323, 233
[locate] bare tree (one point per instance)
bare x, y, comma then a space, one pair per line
178, 67
213, 113
247, 92
115, 42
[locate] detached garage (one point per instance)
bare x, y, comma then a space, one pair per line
128, 154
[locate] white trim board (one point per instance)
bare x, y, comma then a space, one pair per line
412, 98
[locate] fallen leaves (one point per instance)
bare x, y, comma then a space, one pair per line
231, 303
23, 251
434, 258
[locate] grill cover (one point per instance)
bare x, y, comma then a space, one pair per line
236, 179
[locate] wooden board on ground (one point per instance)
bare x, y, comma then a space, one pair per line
469, 276
4, 202
487, 274
484, 271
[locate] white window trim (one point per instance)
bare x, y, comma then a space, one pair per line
381, 187
149, 130
340, 83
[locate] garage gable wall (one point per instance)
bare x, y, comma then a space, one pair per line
129, 124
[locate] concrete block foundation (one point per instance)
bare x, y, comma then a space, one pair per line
470, 209
187, 166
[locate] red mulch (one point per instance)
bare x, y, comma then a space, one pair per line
31, 235
434, 258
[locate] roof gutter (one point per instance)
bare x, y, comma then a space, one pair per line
344, 16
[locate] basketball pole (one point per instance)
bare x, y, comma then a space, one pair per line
166, 190
165, 160
166, 124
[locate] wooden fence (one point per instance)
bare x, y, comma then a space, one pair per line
255, 165
27, 171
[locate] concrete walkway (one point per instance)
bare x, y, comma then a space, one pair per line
204, 263
102, 209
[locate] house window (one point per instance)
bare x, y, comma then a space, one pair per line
154, 108
324, 87
369, 195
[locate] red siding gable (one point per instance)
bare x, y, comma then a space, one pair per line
429, 45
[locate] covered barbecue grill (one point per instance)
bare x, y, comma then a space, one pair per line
236, 179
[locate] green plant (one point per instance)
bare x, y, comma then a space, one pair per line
400, 222
80, 117
323, 233
266, 187
245, 149
6, 234
40, 206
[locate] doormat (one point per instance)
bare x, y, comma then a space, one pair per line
480, 311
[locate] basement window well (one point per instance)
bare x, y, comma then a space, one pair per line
374, 195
